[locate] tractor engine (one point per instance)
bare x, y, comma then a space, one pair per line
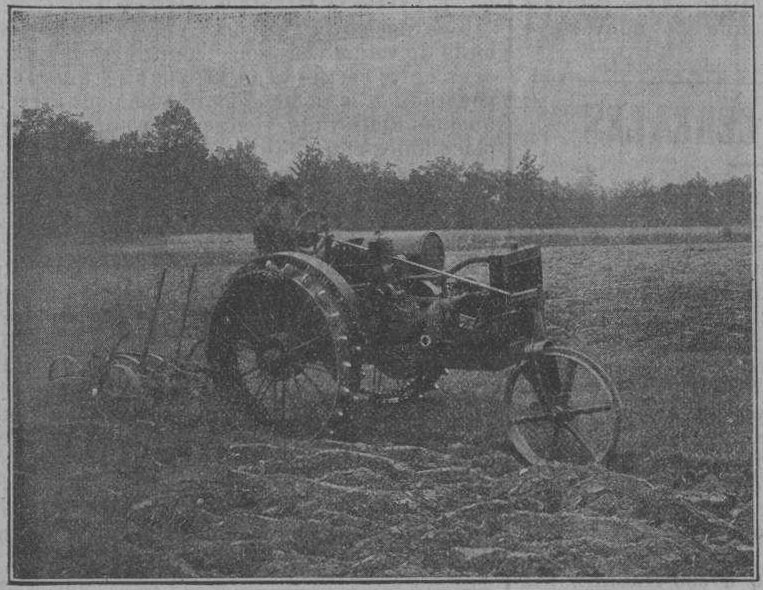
406, 315
410, 330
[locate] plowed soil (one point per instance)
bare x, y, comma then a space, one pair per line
177, 483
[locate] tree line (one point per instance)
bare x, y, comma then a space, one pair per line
68, 182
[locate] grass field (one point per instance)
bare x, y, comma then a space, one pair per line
672, 322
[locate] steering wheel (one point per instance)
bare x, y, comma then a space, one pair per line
311, 227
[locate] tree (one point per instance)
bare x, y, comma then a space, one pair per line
537, 205
239, 179
482, 196
179, 167
132, 204
56, 180
175, 131
311, 173
700, 201
245, 159
346, 200
441, 193
734, 198
635, 203
528, 172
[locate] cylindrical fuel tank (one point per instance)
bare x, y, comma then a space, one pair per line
426, 249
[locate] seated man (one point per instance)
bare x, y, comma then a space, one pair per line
274, 228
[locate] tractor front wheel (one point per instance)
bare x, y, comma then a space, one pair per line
562, 406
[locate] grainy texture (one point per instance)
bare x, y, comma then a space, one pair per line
178, 483
146, 142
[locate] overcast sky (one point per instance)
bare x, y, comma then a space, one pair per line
621, 93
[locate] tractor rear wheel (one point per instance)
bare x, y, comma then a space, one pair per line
279, 343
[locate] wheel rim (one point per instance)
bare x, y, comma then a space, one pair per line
279, 343
562, 407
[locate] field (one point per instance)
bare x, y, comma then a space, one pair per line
178, 484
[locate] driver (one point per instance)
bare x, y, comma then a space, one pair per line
272, 230
312, 233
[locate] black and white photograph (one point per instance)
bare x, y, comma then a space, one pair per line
372, 294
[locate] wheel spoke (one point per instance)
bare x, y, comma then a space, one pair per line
297, 319
532, 374
306, 343
572, 413
555, 439
567, 378
243, 323
549, 378
304, 315
532, 419
579, 438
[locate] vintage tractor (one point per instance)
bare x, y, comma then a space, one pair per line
304, 333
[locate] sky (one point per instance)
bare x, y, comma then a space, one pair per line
604, 95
